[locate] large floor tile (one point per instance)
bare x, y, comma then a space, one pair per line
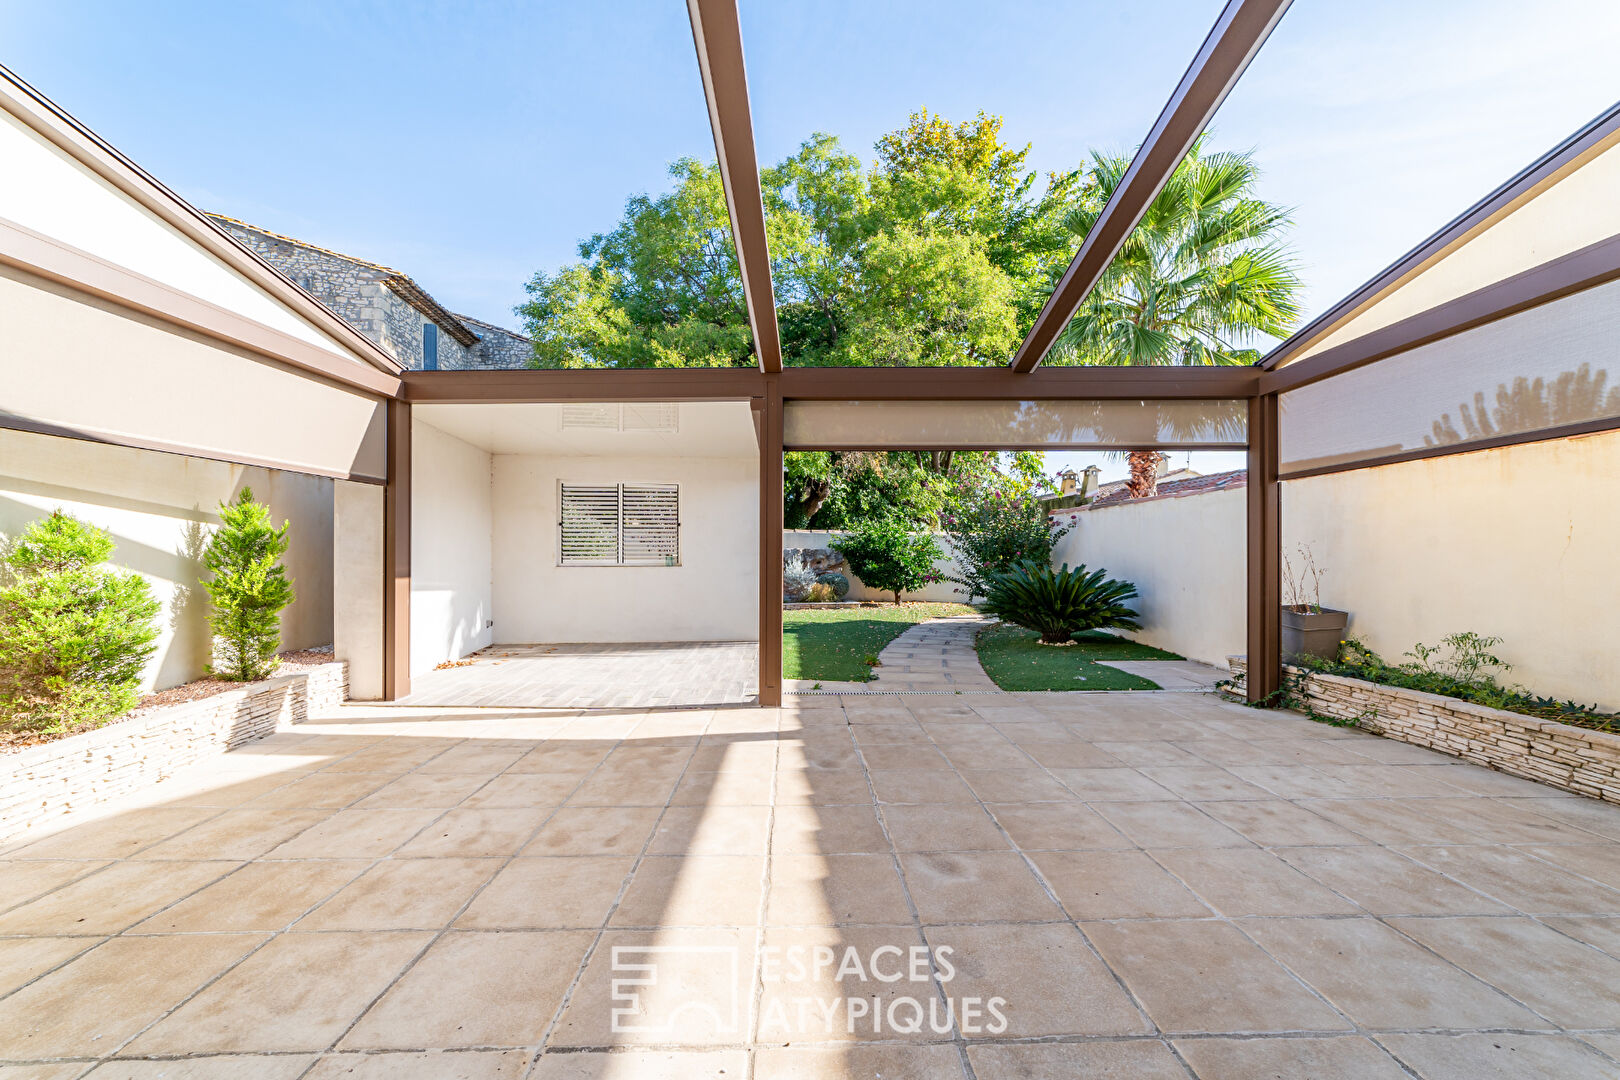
1348, 1057
1382, 980
846, 983
483, 833
213, 1067
1247, 881
23, 959
944, 828
697, 890
1057, 826
831, 890
1386, 883
841, 1062
976, 886
117, 835
92, 1005
436, 1065
110, 900
403, 894
476, 989
828, 830
1569, 983
257, 896
549, 893
1278, 823
698, 991
1207, 977
1048, 979
299, 992
1519, 879
1168, 825
1500, 1056
703, 830
1116, 885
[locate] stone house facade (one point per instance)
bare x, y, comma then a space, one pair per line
385, 305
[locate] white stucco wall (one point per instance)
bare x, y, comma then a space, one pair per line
357, 585
713, 595
160, 510
1186, 558
859, 590
1521, 542
451, 525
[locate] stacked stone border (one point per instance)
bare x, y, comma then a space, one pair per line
42, 782
1573, 759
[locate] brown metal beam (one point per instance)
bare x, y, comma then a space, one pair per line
1264, 676
1563, 159
718, 37
396, 581
999, 383
1242, 27
832, 384
1590, 266
587, 384
768, 409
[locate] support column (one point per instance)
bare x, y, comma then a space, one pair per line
768, 424
1264, 543
397, 555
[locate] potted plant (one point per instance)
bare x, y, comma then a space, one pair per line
1308, 628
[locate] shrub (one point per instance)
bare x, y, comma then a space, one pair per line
1060, 603
838, 583
74, 633
249, 587
1464, 674
820, 593
885, 555
797, 577
993, 530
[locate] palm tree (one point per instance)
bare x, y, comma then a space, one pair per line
1203, 274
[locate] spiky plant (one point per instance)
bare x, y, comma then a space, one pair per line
1060, 603
248, 587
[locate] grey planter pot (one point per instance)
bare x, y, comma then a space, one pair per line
1313, 633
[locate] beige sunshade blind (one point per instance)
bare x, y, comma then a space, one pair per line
619, 525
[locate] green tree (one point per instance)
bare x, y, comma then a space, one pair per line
74, 633
248, 587
1201, 278
934, 255
886, 555
992, 529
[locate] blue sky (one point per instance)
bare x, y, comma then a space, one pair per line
470, 144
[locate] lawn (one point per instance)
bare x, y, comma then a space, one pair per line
834, 644
1015, 660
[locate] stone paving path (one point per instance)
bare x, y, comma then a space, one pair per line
1172, 674
934, 655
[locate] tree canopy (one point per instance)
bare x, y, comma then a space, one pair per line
937, 253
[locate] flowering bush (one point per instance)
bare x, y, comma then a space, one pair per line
995, 528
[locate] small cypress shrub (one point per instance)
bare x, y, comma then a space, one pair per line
248, 587
74, 633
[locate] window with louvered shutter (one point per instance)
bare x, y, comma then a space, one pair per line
649, 531
619, 525
588, 526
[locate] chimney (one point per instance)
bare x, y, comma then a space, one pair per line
1066, 482
1163, 464
1088, 486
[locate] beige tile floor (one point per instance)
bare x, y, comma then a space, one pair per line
1110, 885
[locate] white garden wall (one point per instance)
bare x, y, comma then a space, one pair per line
713, 595
1520, 542
1186, 557
160, 509
451, 524
858, 590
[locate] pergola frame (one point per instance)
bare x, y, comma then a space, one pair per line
1238, 33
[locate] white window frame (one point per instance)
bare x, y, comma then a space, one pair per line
618, 558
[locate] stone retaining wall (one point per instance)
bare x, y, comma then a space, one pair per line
42, 781
1575, 759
